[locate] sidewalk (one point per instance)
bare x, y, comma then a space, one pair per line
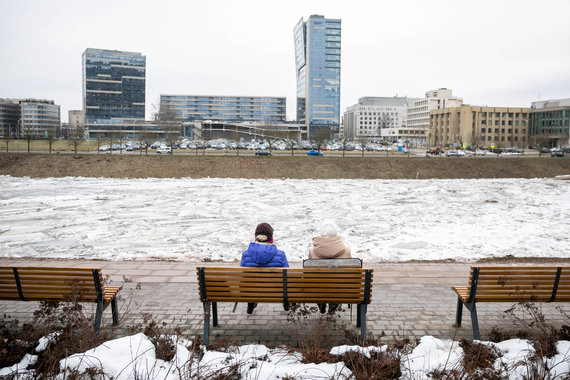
408, 299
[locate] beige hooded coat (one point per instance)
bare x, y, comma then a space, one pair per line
329, 247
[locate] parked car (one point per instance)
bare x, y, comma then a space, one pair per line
451, 153
262, 153
104, 148
314, 153
164, 149
435, 151
557, 153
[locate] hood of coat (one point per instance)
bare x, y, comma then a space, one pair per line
329, 247
262, 253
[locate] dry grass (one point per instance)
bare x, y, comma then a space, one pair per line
298, 167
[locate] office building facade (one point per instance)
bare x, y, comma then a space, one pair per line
550, 123
113, 91
9, 117
29, 118
40, 118
377, 118
491, 127
225, 108
317, 65
418, 114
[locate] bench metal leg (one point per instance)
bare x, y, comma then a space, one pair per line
215, 313
98, 314
472, 307
115, 311
206, 322
358, 315
362, 308
474, 321
459, 312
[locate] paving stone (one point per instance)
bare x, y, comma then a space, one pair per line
407, 299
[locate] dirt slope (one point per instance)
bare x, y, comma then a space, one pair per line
135, 166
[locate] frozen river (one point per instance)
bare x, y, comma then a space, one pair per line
214, 219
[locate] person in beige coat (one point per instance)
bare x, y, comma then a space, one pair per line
329, 245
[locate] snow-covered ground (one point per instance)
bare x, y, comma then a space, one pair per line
134, 357
212, 218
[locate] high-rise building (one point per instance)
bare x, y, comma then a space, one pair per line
317, 64
225, 108
113, 91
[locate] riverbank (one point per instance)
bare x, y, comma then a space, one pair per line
298, 167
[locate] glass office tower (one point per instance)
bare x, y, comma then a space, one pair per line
113, 90
317, 64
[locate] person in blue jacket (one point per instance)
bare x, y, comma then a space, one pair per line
262, 253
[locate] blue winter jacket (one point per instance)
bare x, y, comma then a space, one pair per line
263, 255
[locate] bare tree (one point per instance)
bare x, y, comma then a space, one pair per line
291, 142
362, 140
321, 135
7, 135
236, 139
272, 141
167, 120
50, 143
344, 145
28, 132
75, 135
145, 137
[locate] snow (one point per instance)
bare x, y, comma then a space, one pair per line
214, 218
341, 350
430, 355
134, 357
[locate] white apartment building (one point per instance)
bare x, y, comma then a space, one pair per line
418, 114
376, 118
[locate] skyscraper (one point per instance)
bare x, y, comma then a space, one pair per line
113, 91
317, 64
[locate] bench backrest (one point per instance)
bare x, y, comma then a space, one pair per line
524, 283
50, 284
352, 262
327, 285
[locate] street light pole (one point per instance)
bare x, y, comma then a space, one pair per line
19, 126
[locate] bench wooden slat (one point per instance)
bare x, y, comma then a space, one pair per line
58, 284
283, 285
534, 283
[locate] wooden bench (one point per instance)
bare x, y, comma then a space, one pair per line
285, 286
59, 284
511, 284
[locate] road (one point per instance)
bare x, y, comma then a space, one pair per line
414, 152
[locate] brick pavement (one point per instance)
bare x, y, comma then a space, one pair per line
412, 299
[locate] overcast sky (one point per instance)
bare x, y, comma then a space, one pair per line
490, 52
